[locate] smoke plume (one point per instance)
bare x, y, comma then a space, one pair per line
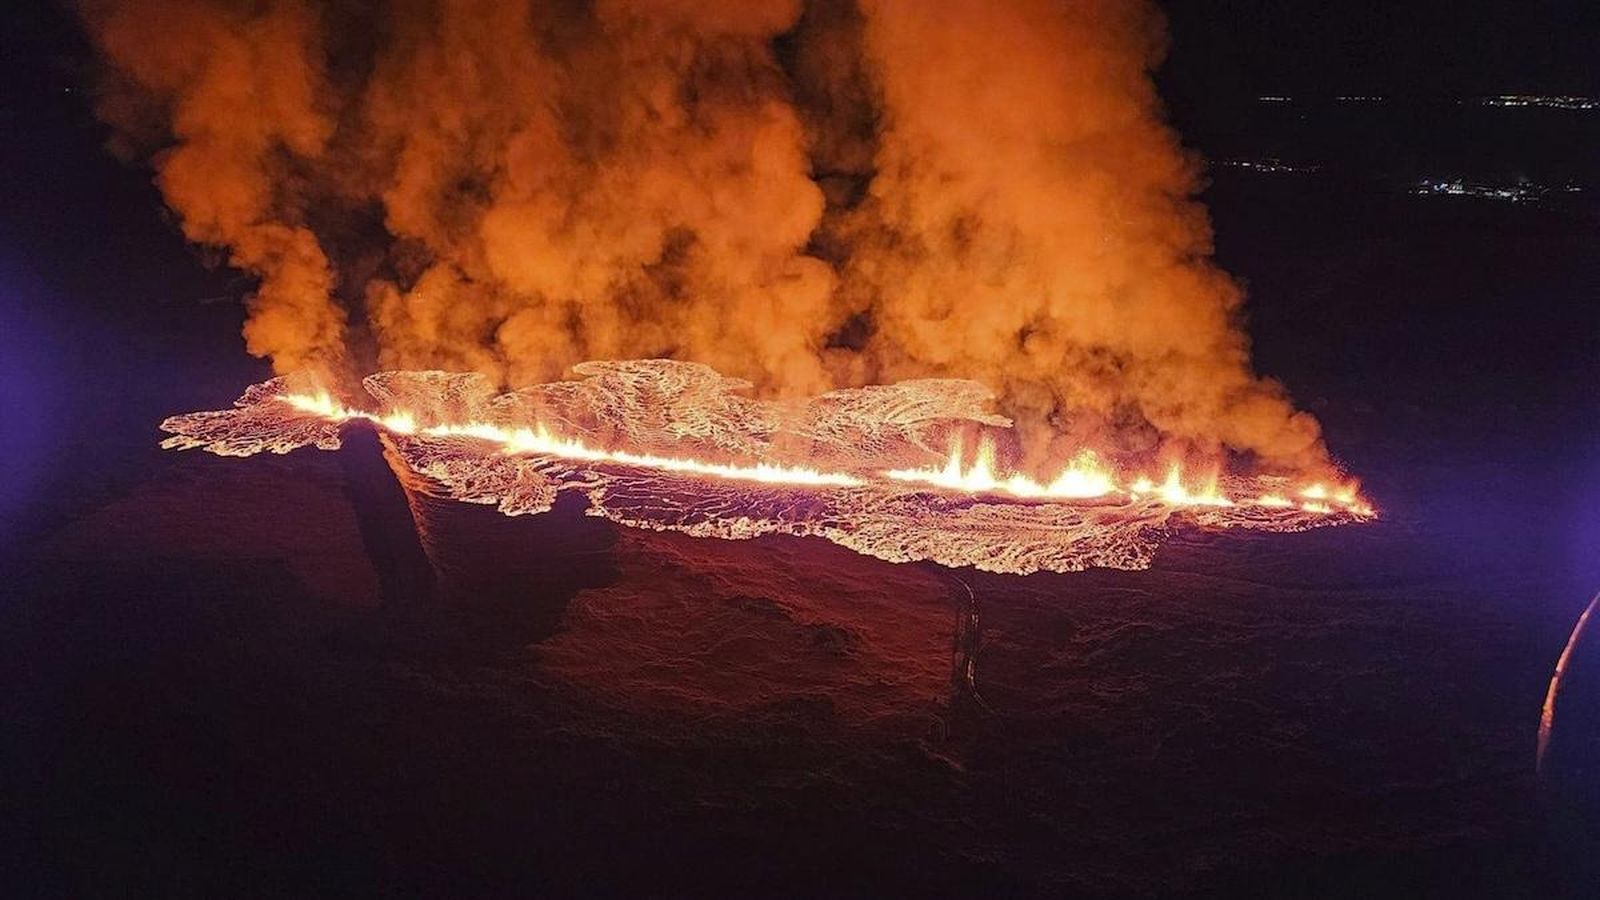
806, 195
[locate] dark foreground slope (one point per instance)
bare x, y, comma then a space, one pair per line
216, 690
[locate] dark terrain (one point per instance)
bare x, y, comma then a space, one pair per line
223, 678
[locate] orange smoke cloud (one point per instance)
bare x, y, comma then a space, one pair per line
1030, 223
804, 195
241, 94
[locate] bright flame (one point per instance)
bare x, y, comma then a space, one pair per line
321, 404
538, 440
1086, 476
1083, 478
1175, 492
1321, 498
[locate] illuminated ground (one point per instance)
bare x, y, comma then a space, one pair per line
228, 690
667, 445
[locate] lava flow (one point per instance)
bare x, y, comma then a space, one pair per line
538, 440
887, 472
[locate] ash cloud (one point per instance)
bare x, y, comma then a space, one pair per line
805, 195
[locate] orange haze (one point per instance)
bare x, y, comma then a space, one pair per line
806, 195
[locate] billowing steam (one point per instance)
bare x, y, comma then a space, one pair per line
806, 195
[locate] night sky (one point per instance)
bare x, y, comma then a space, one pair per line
1224, 54
58, 185
1411, 49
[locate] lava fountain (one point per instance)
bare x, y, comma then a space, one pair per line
902, 472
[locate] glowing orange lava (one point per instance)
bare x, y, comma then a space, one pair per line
1085, 477
539, 440
669, 445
